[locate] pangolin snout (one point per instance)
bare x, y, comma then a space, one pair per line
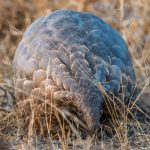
92, 119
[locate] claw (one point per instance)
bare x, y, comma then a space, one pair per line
76, 124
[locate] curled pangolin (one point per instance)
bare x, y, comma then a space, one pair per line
67, 53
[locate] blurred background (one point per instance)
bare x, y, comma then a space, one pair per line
131, 18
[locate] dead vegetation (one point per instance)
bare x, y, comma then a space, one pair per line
30, 125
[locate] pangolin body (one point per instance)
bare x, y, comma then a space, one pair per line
67, 53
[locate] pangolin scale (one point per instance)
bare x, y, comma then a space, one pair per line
67, 53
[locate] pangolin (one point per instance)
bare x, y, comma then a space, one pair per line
68, 54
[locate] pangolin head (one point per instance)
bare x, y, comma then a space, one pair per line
90, 102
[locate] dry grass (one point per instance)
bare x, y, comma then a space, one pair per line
26, 126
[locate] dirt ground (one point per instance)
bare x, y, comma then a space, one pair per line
131, 18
